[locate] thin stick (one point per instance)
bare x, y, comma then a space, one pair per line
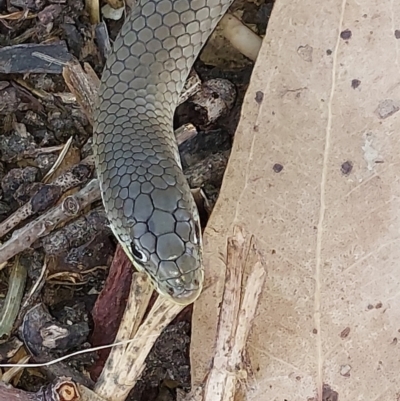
237, 313
115, 384
71, 178
43, 225
136, 307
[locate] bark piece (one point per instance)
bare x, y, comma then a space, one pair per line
110, 306
75, 233
34, 58
44, 336
216, 97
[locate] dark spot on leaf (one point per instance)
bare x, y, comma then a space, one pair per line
345, 333
277, 167
397, 33
346, 34
370, 307
378, 305
328, 394
355, 83
329, 52
315, 331
346, 167
259, 97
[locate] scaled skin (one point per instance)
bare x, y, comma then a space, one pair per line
145, 193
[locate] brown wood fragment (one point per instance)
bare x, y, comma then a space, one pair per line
109, 307
34, 58
84, 84
245, 277
63, 389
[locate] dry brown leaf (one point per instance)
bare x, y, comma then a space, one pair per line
314, 176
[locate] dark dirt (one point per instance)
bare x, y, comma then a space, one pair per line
36, 112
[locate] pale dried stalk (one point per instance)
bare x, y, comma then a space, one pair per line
59, 160
139, 297
12, 372
240, 36
87, 395
237, 313
221, 376
118, 380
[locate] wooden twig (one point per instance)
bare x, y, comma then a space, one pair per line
83, 84
239, 305
32, 58
135, 310
74, 176
126, 362
240, 36
43, 225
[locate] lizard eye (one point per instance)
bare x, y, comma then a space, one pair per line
138, 254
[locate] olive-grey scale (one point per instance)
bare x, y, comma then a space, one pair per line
145, 193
